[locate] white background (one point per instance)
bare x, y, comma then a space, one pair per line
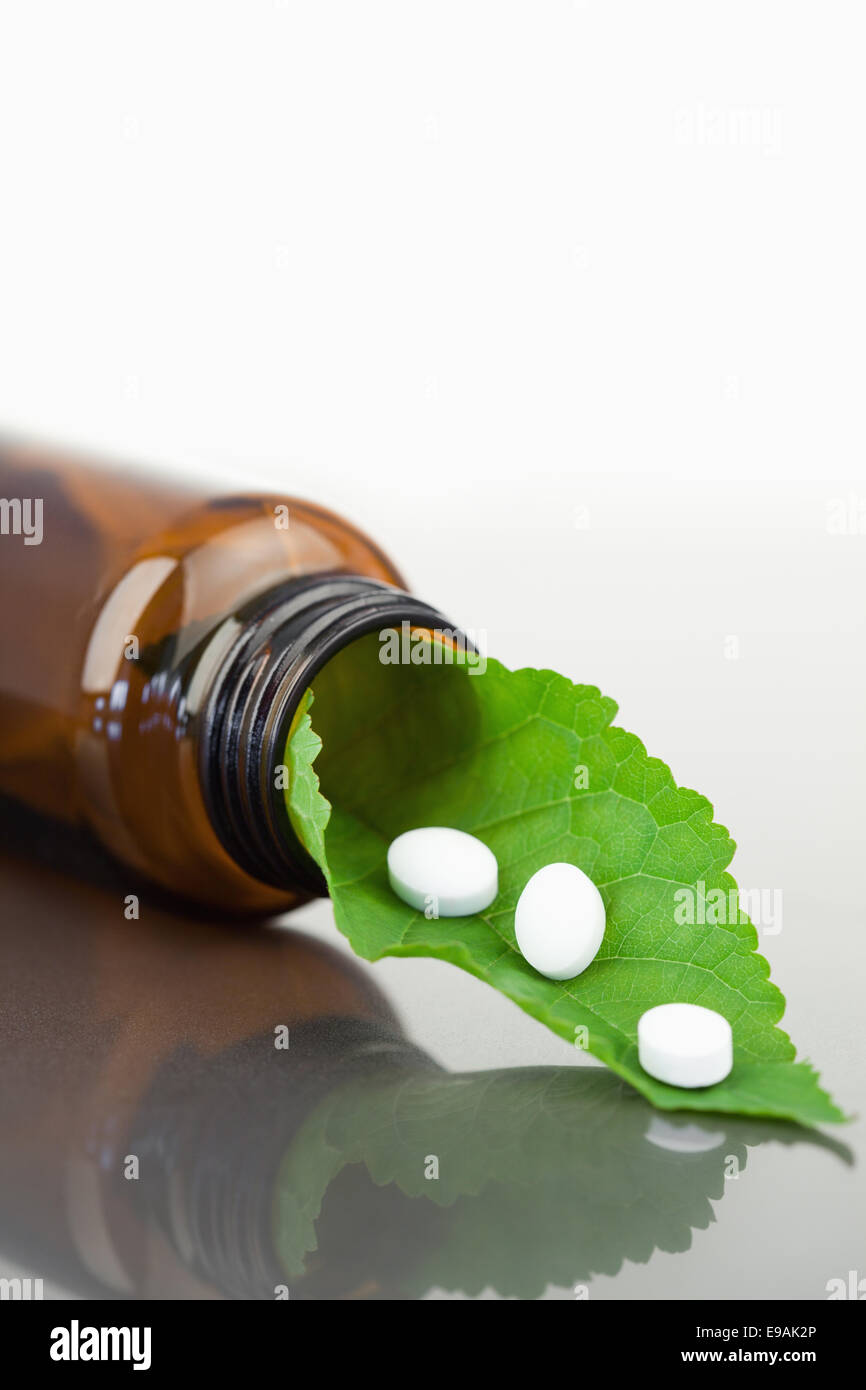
564, 303
440, 247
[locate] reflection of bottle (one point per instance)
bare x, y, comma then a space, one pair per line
154, 645
147, 1104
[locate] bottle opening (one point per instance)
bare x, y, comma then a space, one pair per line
391, 710
380, 665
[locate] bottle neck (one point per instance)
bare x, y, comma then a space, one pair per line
274, 648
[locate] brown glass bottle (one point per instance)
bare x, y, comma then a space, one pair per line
154, 643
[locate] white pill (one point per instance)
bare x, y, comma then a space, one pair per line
559, 921
447, 870
685, 1044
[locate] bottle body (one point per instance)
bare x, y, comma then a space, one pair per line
115, 625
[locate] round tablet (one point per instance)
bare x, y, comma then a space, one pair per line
447, 870
685, 1044
559, 921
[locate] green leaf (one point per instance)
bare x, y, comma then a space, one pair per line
529, 762
309, 812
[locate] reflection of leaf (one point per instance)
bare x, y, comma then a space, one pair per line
555, 1174
495, 754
